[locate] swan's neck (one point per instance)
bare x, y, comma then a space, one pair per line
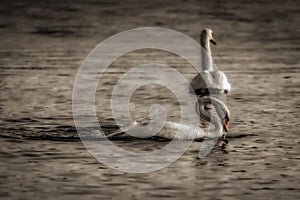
210, 117
217, 131
206, 53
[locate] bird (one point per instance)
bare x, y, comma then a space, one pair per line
174, 130
210, 80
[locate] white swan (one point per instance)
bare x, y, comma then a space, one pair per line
172, 130
209, 81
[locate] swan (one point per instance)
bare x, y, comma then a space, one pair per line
173, 130
209, 81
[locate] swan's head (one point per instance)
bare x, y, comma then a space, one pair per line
223, 112
226, 120
208, 33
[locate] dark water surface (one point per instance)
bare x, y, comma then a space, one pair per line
42, 46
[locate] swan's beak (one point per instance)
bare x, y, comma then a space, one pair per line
225, 125
212, 40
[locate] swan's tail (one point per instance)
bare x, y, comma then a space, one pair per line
116, 133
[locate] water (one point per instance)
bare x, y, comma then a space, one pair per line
41, 50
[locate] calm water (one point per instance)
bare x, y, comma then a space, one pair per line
41, 50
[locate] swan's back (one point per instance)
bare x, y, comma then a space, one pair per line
171, 130
181, 131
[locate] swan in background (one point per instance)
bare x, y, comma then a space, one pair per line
172, 130
209, 81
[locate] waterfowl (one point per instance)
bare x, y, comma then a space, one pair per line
210, 81
173, 130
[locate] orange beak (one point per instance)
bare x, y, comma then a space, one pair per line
212, 40
225, 126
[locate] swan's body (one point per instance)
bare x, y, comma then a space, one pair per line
173, 130
209, 81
